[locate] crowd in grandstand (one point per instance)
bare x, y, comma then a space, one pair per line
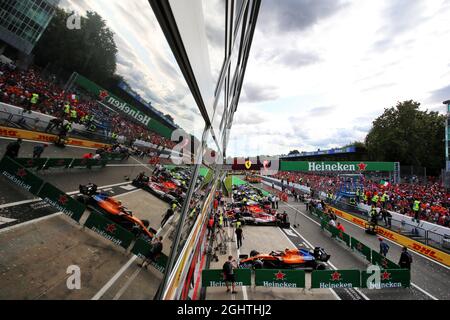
29, 90
431, 197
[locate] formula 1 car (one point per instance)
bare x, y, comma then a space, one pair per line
297, 259
255, 215
113, 210
166, 190
253, 179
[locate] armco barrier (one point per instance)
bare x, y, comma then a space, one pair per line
142, 249
214, 278
274, 278
324, 279
61, 201
109, 229
20, 176
419, 247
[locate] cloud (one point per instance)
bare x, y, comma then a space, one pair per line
296, 15
253, 93
439, 95
379, 87
295, 58
321, 111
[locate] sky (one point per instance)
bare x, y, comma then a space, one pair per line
319, 72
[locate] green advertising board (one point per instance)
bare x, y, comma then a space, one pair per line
80, 163
361, 248
32, 163
273, 278
61, 201
389, 278
340, 235
336, 166
214, 278
109, 230
58, 163
383, 262
142, 249
20, 176
325, 279
118, 104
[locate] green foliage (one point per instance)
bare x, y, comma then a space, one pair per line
293, 152
90, 51
406, 134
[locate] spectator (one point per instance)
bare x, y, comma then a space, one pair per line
155, 251
384, 247
166, 216
229, 275
340, 227
88, 155
12, 149
38, 150
239, 236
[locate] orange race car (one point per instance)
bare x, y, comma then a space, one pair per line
114, 210
298, 259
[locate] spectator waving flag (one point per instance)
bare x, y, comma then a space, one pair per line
384, 183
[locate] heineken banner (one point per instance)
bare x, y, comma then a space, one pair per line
142, 249
80, 163
118, 104
31, 163
362, 249
20, 176
383, 262
280, 278
109, 230
61, 201
390, 278
330, 166
214, 278
325, 279
340, 235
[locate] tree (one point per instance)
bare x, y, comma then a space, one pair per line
293, 152
90, 50
408, 135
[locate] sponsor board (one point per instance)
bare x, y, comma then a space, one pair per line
45, 137
142, 249
396, 278
61, 201
383, 262
326, 279
280, 278
20, 176
109, 230
215, 278
335, 166
36, 163
361, 248
427, 251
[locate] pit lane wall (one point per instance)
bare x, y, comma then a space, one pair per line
45, 137
421, 248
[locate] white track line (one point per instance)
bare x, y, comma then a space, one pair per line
284, 234
412, 284
127, 284
30, 222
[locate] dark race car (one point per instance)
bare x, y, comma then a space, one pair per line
113, 210
297, 259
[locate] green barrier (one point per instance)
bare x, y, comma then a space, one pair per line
385, 263
142, 249
280, 278
115, 156
361, 248
20, 176
58, 163
32, 163
79, 163
61, 201
325, 279
214, 278
109, 230
389, 278
340, 235
96, 163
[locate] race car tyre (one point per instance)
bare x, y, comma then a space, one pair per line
258, 264
320, 266
253, 253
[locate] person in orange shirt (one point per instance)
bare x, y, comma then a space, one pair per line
340, 227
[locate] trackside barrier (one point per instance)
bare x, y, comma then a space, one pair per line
47, 163
215, 278
142, 249
370, 255
100, 224
320, 279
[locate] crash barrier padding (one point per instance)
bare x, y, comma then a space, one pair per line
61, 201
46, 137
142, 249
47, 163
20, 176
320, 279
109, 229
215, 278
274, 278
397, 278
371, 256
417, 246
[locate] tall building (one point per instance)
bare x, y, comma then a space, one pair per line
22, 22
